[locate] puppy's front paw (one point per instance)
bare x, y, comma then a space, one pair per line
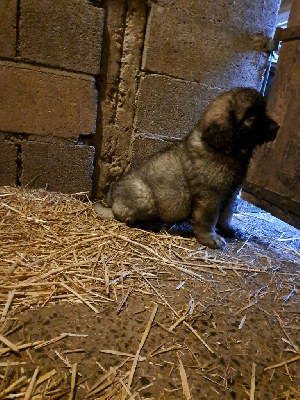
229, 232
211, 240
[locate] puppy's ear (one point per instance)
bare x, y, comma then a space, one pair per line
217, 124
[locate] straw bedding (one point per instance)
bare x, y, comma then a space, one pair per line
55, 252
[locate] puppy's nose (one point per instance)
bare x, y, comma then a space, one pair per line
273, 129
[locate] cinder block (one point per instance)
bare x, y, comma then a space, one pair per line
143, 148
170, 107
209, 42
8, 162
58, 167
42, 101
243, 15
8, 23
62, 33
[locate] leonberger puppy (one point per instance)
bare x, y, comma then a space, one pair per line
200, 176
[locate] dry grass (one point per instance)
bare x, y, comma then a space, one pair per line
55, 249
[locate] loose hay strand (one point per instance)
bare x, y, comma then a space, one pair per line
291, 360
7, 305
56, 339
198, 336
80, 297
20, 347
106, 380
120, 353
285, 333
32, 382
252, 386
246, 307
73, 381
184, 381
142, 342
46, 376
9, 344
171, 348
12, 387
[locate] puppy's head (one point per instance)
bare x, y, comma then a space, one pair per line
237, 121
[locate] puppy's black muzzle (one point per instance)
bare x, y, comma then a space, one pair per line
273, 129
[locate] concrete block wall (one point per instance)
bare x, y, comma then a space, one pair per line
8, 33
44, 102
90, 87
8, 162
50, 56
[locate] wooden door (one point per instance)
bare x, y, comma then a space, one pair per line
273, 181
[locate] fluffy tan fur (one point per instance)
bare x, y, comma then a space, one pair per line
200, 176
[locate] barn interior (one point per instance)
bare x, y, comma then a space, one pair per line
91, 308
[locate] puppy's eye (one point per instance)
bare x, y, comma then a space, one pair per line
249, 121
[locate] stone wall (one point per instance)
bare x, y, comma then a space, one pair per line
49, 58
68, 119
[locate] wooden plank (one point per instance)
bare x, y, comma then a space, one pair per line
278, 212
273, 180
283, 201
285, 35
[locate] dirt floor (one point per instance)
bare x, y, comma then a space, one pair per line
91, 309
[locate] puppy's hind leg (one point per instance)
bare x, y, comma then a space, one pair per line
205, 215
133, 201
104, 212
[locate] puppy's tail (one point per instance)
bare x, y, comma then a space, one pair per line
104, 212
